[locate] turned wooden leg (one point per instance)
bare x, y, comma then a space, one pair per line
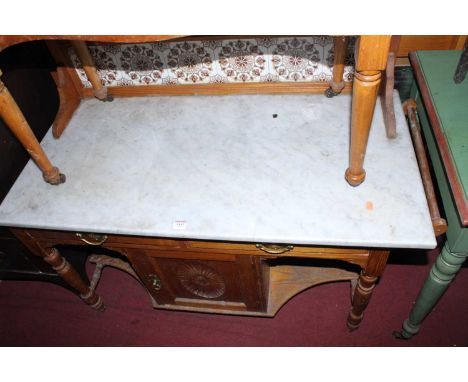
341, 49
365, 286
15, 120
70, 275
365, 90
100, 91
441, 275
361, 298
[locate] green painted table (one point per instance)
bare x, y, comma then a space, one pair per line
443, 112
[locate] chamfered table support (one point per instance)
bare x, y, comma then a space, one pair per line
387, 87
15, 120
371, 60
69, 96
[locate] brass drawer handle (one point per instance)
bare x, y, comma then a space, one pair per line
155, 281
92, 238
274, 248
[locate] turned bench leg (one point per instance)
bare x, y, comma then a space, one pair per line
441, 275
371, 60
365, 90
70, 275
341, 49
82, 51
365, 286
15, 120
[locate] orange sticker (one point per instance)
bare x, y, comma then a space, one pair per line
369, 206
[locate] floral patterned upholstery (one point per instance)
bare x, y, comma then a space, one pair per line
278, 59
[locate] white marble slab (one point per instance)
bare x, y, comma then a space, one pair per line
229, 170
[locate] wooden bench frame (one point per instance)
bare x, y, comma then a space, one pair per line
372, 59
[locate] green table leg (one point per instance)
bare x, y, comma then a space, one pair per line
442, 273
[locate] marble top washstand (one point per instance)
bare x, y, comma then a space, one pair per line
256, 168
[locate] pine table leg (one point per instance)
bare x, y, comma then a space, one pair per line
441, 275
15, 120
82, 51
341, 49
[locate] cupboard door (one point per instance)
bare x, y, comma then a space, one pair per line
151, 276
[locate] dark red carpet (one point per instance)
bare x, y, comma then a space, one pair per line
42, 314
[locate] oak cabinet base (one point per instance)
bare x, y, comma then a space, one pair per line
254, 279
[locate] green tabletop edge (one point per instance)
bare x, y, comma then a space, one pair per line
451, 103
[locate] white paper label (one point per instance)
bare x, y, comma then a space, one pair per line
179, 224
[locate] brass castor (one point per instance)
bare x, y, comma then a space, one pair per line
401, 335
329, 93
62, 179
55, 177
109, 98
102, 94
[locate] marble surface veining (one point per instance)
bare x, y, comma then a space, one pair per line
224, 168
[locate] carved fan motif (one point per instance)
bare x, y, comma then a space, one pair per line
201, 280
